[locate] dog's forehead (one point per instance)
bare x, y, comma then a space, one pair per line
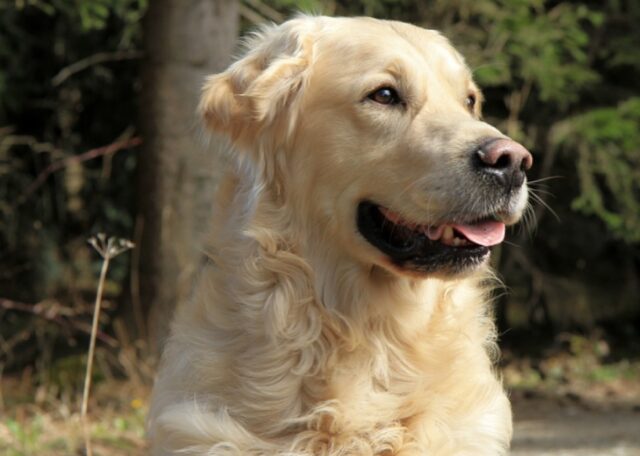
364, 41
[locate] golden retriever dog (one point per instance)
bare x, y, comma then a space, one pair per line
344, 306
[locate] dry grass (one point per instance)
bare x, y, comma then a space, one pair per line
33, 424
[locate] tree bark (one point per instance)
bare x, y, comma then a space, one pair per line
185, 40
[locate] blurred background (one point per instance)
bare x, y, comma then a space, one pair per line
98, 134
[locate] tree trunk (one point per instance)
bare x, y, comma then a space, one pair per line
185, 40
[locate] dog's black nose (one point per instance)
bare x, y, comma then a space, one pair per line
505, 160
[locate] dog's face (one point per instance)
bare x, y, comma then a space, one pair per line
375, 129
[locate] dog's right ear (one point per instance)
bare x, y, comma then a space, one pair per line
222, 104
262, 88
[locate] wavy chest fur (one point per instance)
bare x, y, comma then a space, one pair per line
290, 349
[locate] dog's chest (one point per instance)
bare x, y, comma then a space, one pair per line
374, 388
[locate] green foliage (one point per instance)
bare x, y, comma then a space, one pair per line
607, 144
306, 6
527, 44
92, 14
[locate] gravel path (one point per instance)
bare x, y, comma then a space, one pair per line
545, 428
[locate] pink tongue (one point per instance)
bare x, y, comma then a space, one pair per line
484, 233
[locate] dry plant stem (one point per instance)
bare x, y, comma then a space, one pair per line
94, 331
92, 347
108, 248
87, 437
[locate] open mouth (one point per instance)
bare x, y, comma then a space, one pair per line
447, 247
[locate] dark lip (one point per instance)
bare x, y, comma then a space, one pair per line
414, 251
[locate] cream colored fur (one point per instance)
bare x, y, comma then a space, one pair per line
301, 339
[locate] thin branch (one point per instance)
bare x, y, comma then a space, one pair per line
266, 10
94, 331
95, 59
86, 156
252, 16
55, 312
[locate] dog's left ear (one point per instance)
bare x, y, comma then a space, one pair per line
260, 93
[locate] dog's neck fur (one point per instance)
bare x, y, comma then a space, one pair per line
357, 295
296, 287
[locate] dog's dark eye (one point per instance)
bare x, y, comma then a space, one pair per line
471, 102
385, 96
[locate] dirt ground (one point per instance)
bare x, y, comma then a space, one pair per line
545, 427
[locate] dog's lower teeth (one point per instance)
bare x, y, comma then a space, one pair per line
447, 235
455, 241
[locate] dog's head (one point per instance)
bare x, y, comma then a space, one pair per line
372, 130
